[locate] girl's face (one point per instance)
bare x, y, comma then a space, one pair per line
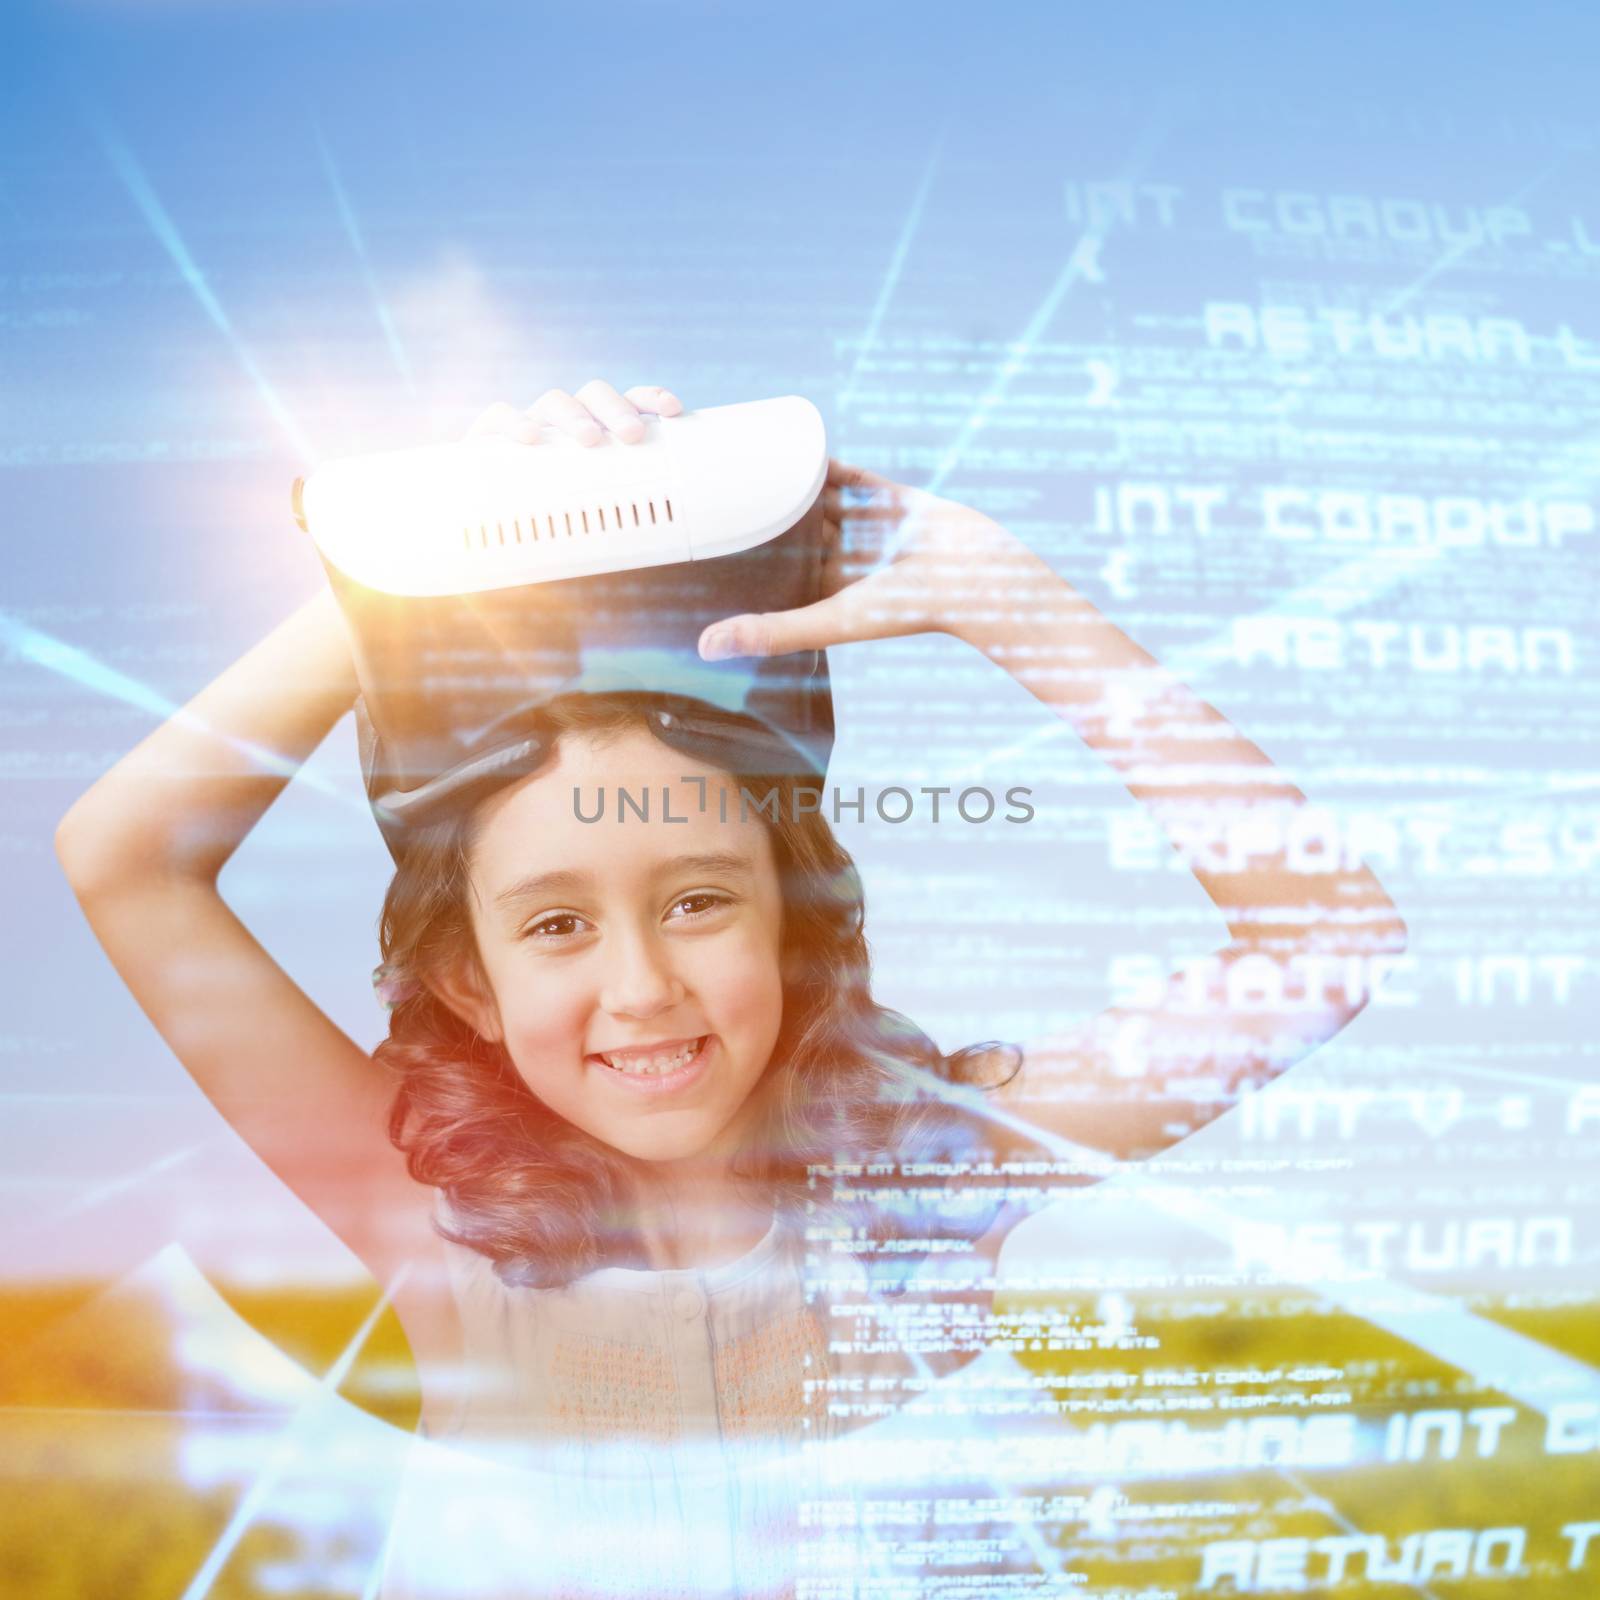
635, 964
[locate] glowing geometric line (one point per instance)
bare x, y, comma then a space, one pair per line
1504, 1359
1463, 247
162, 225
77, 665
959, 1094
369, 1590
1465, 1336
1452, 254
104, 1191
1328, 1509
1080, 262
1355, 583
1083, 253
348, 217
1021, 350
1553, 788
1518, 1075
286, 1448
1516, 1364
991, 397
1436, 1325
892, 277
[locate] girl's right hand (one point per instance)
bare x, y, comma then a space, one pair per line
896, 561
596, 409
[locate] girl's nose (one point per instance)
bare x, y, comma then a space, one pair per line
639, 980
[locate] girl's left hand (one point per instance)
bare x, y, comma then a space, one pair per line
595, 410
895, 561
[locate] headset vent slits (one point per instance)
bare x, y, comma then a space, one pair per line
617, 523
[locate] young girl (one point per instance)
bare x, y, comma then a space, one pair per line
604, 1162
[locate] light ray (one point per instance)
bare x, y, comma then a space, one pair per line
1465, 247
68, 661
1548, 1080
891, 278
105, 1191
1328, 1509
1500, 1358
161, 224
352, 229
1503, 1359
1307, 379
1021, 349
1364, 577
1082, 263
1355, 583
289, 1446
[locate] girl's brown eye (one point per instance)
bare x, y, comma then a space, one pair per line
551, 929
710, 902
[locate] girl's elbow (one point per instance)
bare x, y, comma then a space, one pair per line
71, 846
86, 852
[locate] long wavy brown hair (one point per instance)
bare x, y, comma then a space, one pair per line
851, 1084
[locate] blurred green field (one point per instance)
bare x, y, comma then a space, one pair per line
97, 1408
107, 1492
1292, 1351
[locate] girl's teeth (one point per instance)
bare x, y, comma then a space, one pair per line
650, 1065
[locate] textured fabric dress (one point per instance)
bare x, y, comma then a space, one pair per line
635, 1433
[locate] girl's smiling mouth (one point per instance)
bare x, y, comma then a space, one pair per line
656, 1069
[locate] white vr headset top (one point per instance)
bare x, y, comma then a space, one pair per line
482, 580
494, 513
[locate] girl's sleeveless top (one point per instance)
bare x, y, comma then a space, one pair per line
637, 1433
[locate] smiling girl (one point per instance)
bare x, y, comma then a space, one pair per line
585, 1161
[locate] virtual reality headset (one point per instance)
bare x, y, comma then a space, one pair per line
481, 580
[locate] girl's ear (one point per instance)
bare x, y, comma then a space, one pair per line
463, 988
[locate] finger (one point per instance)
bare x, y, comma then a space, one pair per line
501, 418
830, 535
651, 397
882, 606
837, 516
557, 409
855, 492
609, 408
841, 475
843, 502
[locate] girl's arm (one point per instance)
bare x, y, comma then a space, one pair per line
1306, 948
182, 801
1135, 1078
142, 851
